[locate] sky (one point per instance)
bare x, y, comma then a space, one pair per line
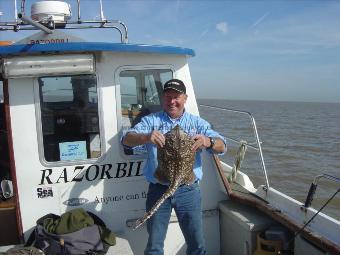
245, 50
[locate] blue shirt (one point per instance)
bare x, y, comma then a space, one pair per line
162, 122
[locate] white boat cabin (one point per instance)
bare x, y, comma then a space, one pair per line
64, 105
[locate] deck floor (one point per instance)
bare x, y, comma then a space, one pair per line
122, 247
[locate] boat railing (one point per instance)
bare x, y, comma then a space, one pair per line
314, 185
257, 142
23, 22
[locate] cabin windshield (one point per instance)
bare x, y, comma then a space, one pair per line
69, 114
141, 93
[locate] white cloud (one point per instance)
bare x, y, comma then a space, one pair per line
222, 26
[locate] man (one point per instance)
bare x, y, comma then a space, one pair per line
187, 200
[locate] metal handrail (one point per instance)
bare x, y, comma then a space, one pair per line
16, 26
250, 145
255, 135
314, 184
35, 24
27, 24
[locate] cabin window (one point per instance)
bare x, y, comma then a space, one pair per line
141, 93
69, 114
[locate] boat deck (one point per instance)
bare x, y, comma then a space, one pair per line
122, 247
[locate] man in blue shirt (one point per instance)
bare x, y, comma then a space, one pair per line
187, 200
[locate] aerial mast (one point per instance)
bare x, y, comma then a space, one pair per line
101, 11
15, 10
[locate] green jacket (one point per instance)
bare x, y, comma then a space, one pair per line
75, 220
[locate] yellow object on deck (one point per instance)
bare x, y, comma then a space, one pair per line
268, 247
5, 43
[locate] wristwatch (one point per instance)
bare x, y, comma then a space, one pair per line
212, 142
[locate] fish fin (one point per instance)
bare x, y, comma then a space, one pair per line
168, 193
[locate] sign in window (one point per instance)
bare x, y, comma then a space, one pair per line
69, 114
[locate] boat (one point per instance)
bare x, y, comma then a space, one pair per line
65, 103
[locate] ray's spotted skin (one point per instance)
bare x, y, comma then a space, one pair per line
175, 166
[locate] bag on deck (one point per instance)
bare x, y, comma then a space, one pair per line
23, 251
73, 233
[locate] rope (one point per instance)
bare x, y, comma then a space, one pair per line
238, 161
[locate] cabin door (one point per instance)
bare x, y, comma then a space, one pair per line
8, 220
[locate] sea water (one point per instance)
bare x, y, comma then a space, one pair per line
299, 141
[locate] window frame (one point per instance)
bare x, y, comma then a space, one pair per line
119, 97
2, 94
6, 170
40, 135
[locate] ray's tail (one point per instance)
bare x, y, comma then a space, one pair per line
170, 191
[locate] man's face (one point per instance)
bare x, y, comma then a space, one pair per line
173, 102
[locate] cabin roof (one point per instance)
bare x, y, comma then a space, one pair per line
19, 49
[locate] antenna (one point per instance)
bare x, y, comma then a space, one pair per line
15, 10
101, 10
22, 7
78, 6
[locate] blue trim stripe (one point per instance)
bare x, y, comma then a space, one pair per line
91, 47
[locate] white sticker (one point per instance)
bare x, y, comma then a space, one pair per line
44, 192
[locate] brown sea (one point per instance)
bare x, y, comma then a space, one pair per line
300, 140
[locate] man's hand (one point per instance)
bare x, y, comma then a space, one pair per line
157, 138
201, 141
